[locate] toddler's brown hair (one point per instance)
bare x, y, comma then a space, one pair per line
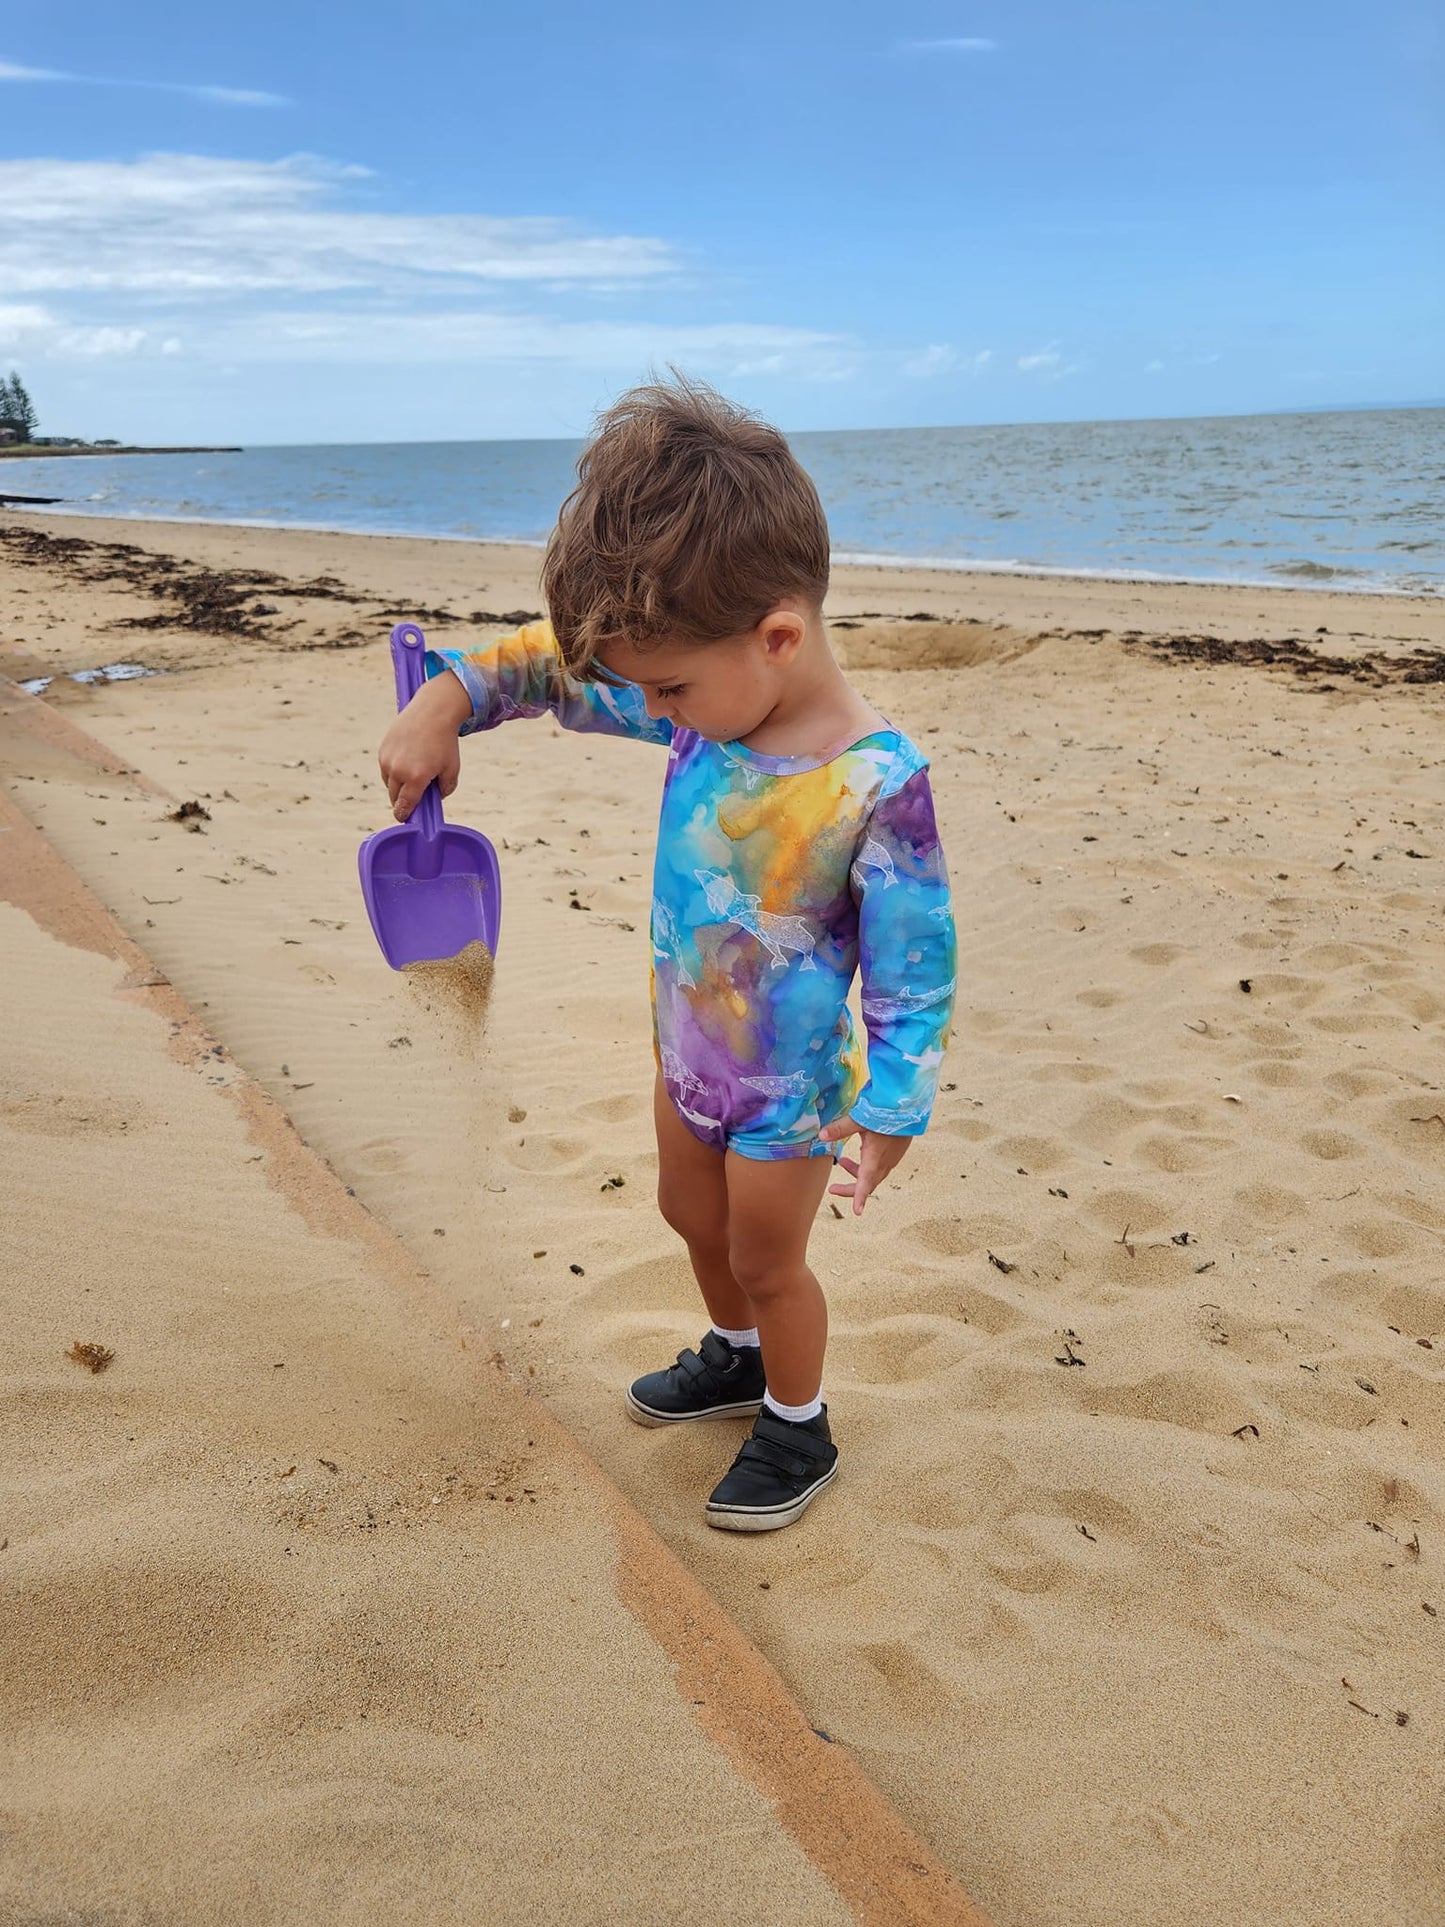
691, 518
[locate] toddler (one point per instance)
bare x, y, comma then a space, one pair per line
685, 582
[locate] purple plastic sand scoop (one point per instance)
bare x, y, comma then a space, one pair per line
430, 887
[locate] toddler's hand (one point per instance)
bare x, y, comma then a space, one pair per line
421, 746
878, 1155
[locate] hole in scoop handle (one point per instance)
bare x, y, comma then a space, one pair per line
408, 660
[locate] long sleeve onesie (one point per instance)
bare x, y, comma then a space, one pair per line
776, 878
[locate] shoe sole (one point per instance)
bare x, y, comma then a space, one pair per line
641, 1414
769, 1518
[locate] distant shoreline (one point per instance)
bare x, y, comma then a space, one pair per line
881, 569
841, 558
30, 452
1348, 501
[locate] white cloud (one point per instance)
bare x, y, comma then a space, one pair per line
239, 263
470, 338
963, 45
479, 337
1153, 367
232, 96
1048, 364
99, 341
190, 225
22, 319
936, 359
229, 96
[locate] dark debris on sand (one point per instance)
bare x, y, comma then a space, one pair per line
217, 602
95, 1358
1373, 668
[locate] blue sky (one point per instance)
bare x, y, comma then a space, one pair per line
312, 222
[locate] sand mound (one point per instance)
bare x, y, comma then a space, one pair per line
926, 645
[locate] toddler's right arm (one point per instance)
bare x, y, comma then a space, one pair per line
423, 746
470, 689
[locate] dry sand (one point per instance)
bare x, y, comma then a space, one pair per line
456, 992
1130, 1595
310, 1613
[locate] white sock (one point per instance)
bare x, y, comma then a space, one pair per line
738, 1340
795, 1414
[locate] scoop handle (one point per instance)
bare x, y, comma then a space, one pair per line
408, 660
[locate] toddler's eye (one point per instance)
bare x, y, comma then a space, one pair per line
675, 690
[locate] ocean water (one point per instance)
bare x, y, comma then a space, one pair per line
1342, 501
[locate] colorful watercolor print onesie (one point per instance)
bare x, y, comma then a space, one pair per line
776, 877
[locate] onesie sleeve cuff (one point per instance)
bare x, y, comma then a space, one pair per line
438, 661
906, 1121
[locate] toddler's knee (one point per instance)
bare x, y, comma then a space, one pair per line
756, 1272
680, 1212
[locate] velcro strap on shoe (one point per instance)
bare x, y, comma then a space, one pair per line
717, 1352
781, 1457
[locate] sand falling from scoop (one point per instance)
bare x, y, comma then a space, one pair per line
456, 990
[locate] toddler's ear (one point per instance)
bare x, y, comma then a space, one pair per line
782, 632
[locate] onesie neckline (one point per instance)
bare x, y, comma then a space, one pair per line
800, 765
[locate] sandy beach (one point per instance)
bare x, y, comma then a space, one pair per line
1129, 1597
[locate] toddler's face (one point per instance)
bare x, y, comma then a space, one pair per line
720, 690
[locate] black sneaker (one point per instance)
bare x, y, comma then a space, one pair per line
776, 1476
716, 1381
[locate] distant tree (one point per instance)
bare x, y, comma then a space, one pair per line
17, 411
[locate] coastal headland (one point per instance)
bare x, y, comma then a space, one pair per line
46, 451
1130, 1597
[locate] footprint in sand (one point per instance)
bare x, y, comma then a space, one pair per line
1275, 1073
1182, 1151
1267, 1205
1330, 1145
1298, 993
544, 1151
1036, 1154
1334, 956
616, 1109
1361, 1083
1141, 1211
1193, 1400
1070, 1072
963, 1237
1270, 1035
1380, 1237
1159, 953
1424, 1006
893, 1352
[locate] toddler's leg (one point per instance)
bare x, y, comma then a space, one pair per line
770, 1212
790, 1456
692, 1195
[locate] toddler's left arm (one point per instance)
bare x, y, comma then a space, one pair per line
907, 955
